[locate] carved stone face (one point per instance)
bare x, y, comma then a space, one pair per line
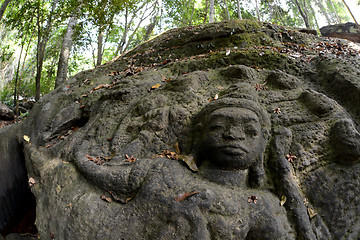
346, 140
233, 138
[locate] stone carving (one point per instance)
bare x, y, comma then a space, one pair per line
275, 138
229, 150
346, 141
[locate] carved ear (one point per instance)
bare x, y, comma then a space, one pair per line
265, 133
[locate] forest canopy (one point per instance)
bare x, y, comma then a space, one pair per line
43, 42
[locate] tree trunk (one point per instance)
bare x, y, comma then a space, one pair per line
142, 18
206, 10
323, 11
16, 99
335, 11
150, 29
227, 10
100, 47
21, 73
40, 60
3, 8
123, 38
43, 38
65, 52
211, 11
303, 13
257, 10
351, 14
192, 5
238, 9
315, 19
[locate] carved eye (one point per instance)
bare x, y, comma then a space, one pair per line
215, 127
251, 130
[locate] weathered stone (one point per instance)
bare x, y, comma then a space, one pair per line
6, 113
349, 31
112, 156
16, 236
15, 195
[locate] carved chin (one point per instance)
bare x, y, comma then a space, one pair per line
348, 152
233, 162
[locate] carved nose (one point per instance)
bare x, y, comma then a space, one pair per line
234, 134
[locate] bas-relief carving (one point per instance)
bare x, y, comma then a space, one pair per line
239, 155
230, 139
335, 188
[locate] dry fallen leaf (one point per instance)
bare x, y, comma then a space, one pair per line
290, 157
101, 86
107, 199
177, 149
26, 138
90, 158
282, 201
99, 160
259, 87
156, 86
306, 202
31, 181
277, 110
183, 196
130, 158
50, 145
114, 73
190, 161
168, 154
253, 199
311, 212
166, 79
58, 189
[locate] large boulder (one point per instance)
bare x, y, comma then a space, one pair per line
6, 113
233, 130
349, 31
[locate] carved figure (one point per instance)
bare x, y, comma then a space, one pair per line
229, 147
346, 141
232, 135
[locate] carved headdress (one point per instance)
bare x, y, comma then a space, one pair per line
241, 95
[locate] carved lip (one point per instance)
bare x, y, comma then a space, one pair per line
234, 149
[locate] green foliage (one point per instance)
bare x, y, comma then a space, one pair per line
6, 94
5, 53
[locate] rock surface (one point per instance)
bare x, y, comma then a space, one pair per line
269, 116
349, 31
6, 113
